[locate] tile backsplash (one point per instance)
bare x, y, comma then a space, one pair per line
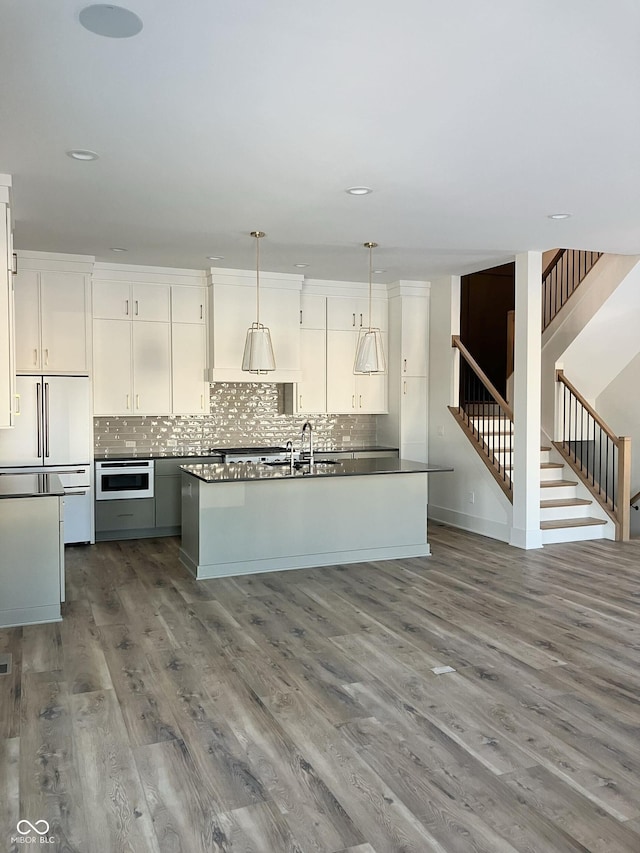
241, 414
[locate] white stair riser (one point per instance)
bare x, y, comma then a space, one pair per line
503, 442
555, 513
554, 493
547, 474
573, 534
491, 425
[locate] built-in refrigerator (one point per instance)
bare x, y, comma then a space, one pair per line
53, 433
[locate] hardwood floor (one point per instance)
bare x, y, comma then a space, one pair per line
298, 712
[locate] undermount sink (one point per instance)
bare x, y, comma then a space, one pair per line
304, 463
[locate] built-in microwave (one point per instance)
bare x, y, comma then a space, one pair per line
124, 480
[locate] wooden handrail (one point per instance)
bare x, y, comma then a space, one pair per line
635, 499
560, 377
482, 376
554, 260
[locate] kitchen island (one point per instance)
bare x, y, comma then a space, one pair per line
246, 518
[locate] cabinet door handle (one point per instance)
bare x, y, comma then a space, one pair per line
128, 406
354, 320
300, 403
201, 312
14, 264
35, 356
404, 369
46, 357
126, 307
353, 401
360, 400
18, 410
404, 388
137, 401
301, 316
136, 307
202, 402
361, 321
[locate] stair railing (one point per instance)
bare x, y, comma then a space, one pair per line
596, 454
567, 269
484, 415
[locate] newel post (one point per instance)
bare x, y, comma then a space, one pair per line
623, 495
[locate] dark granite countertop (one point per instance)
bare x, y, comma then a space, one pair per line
30, 486
169, 453
253, 471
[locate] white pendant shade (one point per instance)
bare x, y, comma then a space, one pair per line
370, 352
258, 352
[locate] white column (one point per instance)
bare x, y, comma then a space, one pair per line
525, 532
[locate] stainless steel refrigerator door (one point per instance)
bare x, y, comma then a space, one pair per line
24, 444
68, 438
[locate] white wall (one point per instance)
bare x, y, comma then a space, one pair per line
583, 307
619, 405
449, 494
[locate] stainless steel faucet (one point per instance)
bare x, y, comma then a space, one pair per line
289, 449
304, 428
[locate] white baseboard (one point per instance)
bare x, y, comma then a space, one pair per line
483, 526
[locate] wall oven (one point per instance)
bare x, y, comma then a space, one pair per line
123, 480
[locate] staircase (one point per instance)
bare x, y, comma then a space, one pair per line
564, 515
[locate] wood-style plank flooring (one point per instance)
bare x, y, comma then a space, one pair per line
297, 712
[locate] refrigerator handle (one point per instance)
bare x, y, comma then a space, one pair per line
46, 419
39, 417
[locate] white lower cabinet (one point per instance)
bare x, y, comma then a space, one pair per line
348, 392
190, 391
132, 367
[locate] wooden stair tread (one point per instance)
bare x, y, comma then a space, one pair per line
544, 449
559, 523
551, 484
560, 502
552, 464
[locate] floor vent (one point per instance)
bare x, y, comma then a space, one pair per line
5, 664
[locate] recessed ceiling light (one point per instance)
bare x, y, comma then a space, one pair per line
215, 257
559, 216
82, 154
113, 22
301, 266
118, 249
359, 190
378, 272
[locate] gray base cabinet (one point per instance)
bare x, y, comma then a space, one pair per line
31, 560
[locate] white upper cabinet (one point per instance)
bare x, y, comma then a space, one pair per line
132, 368
352, 312
7, 345
313, 311
232, 310
122, 300
347, 392
414, 334
190, 390
188, 304
52, 321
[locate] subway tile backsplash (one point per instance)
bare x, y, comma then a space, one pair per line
241, 414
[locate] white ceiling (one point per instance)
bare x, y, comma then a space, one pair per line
471, 121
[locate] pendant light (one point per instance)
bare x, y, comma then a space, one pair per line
369, 351
258, 352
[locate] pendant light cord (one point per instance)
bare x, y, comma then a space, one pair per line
258, 279
370, 274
